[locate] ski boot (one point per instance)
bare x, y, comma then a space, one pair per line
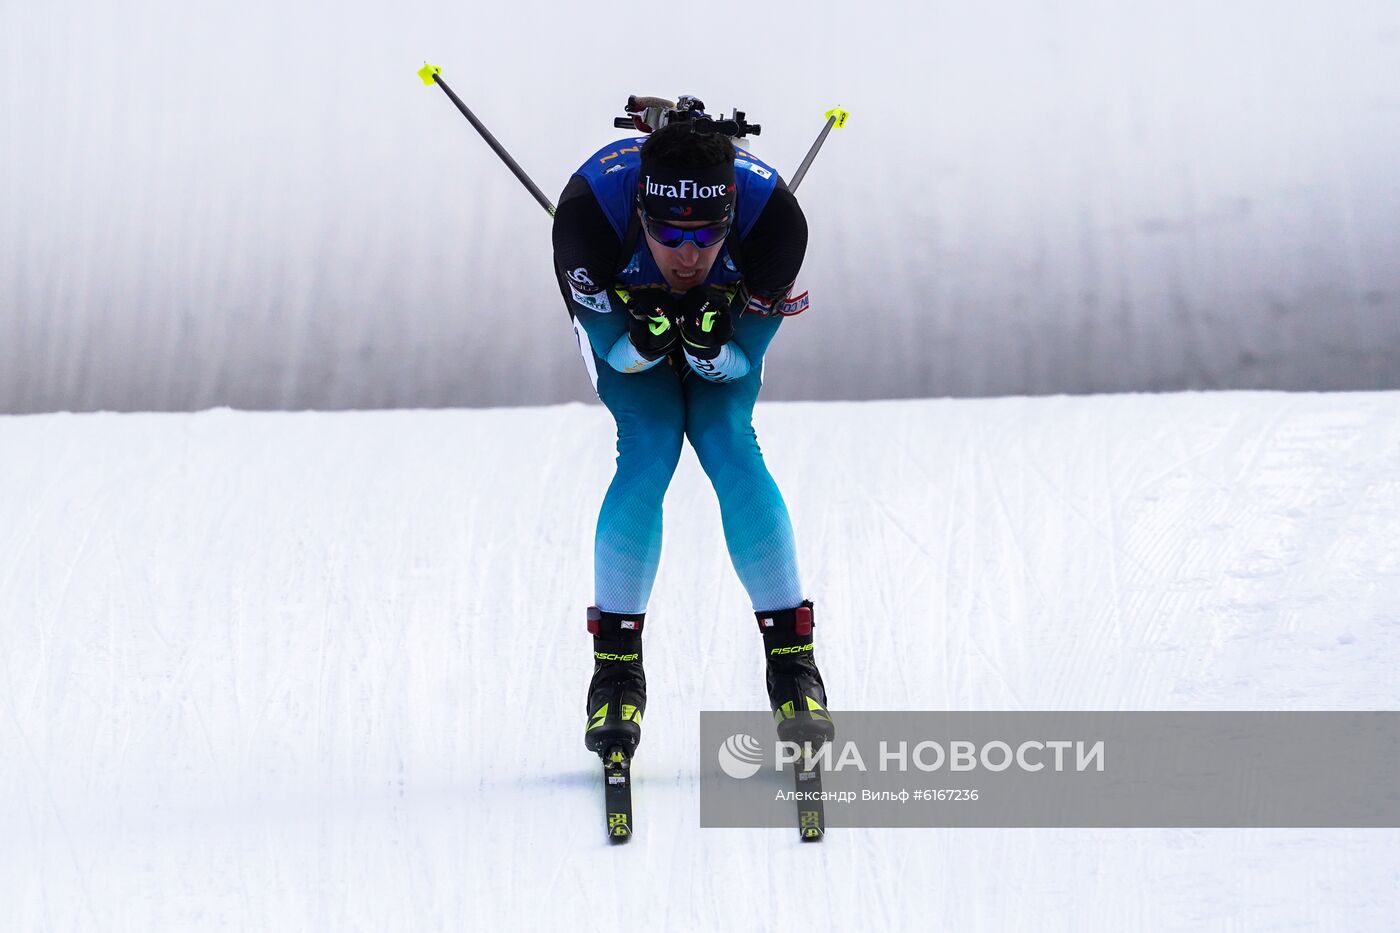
617, 695
795, 689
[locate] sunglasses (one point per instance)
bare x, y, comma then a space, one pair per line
672, 237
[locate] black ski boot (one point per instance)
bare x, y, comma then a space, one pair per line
795, 689
617, 695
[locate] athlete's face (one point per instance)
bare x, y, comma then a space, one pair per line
685, 266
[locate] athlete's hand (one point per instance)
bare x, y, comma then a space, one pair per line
705, 321
653, 329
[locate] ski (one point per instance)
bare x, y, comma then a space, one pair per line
617, 793
811, 812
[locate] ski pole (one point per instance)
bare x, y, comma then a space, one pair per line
835, 117
432, 74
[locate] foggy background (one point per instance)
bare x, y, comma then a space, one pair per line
258, 204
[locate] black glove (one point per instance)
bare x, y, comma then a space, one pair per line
652, 330
705, 321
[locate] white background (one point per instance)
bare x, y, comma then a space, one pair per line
257, 204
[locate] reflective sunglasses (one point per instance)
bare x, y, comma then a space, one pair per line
672, 237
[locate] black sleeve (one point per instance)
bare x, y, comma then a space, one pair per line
773, 250
585, 245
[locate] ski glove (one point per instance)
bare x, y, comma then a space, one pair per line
705, 321
652, 329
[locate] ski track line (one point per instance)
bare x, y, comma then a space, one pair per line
972, 580
51, 482
1161, 549
1235, 509
1164, 549
954, 493
1091, 524
950, 627
1009, 525
989, 644
66, 587
1184, 462
327, 607
1117, 611
1330, 509
80, 872
1262, 438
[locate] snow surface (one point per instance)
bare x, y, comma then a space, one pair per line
326, 671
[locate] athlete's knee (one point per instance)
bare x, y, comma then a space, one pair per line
725, 442
650, 447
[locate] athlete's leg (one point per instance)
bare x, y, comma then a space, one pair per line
650, 415
757, 529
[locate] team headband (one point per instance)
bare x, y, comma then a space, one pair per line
704, 194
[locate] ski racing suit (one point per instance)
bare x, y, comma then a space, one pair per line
598, 254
